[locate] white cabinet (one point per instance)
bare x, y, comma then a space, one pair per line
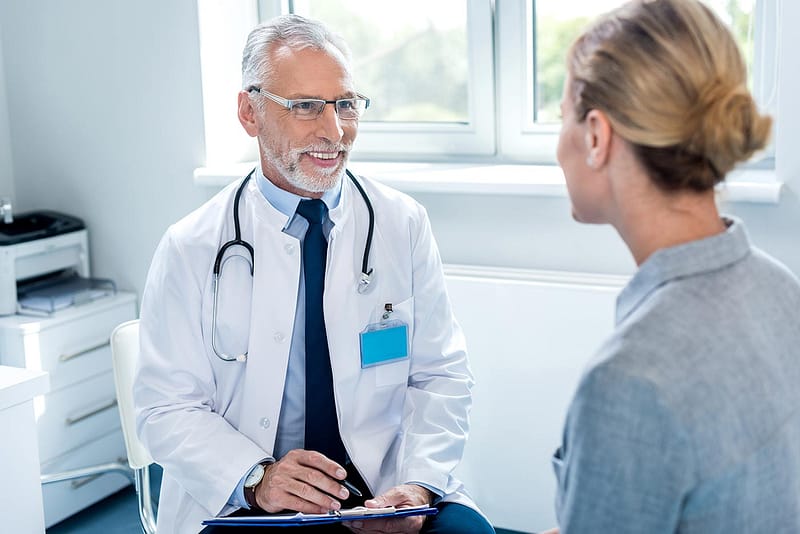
77, 422
20, 493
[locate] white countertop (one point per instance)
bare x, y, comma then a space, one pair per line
18, 385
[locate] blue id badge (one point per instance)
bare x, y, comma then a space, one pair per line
384, 342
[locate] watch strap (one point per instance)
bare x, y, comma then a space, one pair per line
250, 491
250, 497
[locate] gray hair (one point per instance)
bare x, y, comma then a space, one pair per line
289, 30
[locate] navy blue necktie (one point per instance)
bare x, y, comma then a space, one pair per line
322, 425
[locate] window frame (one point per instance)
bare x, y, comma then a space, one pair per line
520, 139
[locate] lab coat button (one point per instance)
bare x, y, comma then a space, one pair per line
289, 248
279, 337
264, 422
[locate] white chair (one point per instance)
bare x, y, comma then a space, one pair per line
125, 352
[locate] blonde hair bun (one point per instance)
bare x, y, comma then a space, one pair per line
671, 79
729, 128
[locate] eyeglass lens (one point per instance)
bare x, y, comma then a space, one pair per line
347, 109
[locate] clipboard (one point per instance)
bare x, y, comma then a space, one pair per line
359, 513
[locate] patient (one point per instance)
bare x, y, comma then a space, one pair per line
688, 418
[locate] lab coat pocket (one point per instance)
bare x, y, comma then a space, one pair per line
390, 374
396, 372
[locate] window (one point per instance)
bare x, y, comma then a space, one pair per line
530, 67
559, 22
423, 43
444, 52
480, 79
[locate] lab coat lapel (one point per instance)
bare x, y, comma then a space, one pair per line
346, 310
273, 306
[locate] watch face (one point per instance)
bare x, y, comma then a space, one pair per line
255, 476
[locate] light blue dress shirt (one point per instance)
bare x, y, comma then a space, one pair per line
291, 425
688, 419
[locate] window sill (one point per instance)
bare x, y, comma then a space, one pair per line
747, 185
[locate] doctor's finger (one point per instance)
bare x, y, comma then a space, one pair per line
288, 497
314, 495
281, 489
314, 486
308, 467
406, 525
320, 462
322, 482
294, 466
402, 495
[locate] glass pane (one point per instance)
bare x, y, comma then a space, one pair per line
559, 22
410, 57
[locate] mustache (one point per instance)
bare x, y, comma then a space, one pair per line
325, 147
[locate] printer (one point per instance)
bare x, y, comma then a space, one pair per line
36, 244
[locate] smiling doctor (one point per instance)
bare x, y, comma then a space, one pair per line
295, 330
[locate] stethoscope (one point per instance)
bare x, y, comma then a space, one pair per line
237, 241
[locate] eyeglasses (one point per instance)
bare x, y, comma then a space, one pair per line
306, 109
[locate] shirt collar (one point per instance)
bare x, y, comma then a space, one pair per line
287, 202
681, 261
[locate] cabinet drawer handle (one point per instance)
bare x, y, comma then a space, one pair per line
83, 481
67, 356
78, 418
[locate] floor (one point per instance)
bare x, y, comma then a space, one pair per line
118, 514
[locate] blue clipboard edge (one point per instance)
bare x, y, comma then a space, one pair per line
283, 520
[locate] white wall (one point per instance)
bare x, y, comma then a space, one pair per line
106, 121
538, 232
6, 167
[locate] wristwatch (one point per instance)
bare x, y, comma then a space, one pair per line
253, 479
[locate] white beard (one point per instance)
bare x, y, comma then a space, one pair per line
288, 166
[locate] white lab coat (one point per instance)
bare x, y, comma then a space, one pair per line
206, 421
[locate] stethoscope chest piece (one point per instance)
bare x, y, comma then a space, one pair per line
365, 282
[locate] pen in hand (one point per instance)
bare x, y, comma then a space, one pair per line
351, 488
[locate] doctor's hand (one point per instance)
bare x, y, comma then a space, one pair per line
400, 497
302, 481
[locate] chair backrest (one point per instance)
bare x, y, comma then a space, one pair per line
125, 353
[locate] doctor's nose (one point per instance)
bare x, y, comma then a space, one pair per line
329, 125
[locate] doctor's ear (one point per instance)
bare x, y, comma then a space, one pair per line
247, 114
597, 138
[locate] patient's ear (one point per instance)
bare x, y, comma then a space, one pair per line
247, 114
598, 138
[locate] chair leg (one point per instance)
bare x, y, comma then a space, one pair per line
147, 516
92, 470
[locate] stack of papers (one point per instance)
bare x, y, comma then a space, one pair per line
47, 296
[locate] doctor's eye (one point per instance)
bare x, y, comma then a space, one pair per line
307, 107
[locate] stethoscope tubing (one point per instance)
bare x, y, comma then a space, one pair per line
363, 284
237, 232
365, 270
